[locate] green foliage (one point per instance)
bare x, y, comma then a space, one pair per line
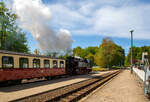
78, 51
109, 54
116, 67
99, 69
11, 37
88, 52
64, 56
137, 54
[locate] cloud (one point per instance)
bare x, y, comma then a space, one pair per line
118, 21
113, 18
35, 17
66, 17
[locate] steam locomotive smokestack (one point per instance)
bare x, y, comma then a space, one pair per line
35, 17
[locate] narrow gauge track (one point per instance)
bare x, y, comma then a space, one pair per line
70, 93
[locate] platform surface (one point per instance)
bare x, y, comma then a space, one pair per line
123, 88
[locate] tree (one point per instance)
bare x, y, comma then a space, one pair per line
11, 36
137, 54
109, 54
90, 57
88, 52
64, 56
78, 51
52, 54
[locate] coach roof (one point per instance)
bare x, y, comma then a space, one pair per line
26, 54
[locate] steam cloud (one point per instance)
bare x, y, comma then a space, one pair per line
35, 17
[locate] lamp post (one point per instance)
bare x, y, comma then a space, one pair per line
131, 51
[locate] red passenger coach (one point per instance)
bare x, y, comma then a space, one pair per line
17, 66
28, 73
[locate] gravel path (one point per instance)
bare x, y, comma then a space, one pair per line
23, 90
123, 88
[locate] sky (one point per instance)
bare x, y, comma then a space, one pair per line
89, 21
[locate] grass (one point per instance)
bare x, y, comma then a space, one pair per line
116, 67
98, 69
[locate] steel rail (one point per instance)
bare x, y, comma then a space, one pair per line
70, 93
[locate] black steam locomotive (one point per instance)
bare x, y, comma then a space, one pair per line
77, 65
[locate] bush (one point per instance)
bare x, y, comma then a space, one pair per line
99, 69
116, 67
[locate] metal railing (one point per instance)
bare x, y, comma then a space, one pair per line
147, 76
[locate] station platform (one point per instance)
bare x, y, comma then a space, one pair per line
123, 88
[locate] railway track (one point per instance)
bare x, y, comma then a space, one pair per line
70, 93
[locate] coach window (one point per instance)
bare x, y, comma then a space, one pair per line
46, 64
54, 64
23, 63
7, 62
61, 64
36, 63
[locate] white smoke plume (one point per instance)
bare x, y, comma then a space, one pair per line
35, 17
